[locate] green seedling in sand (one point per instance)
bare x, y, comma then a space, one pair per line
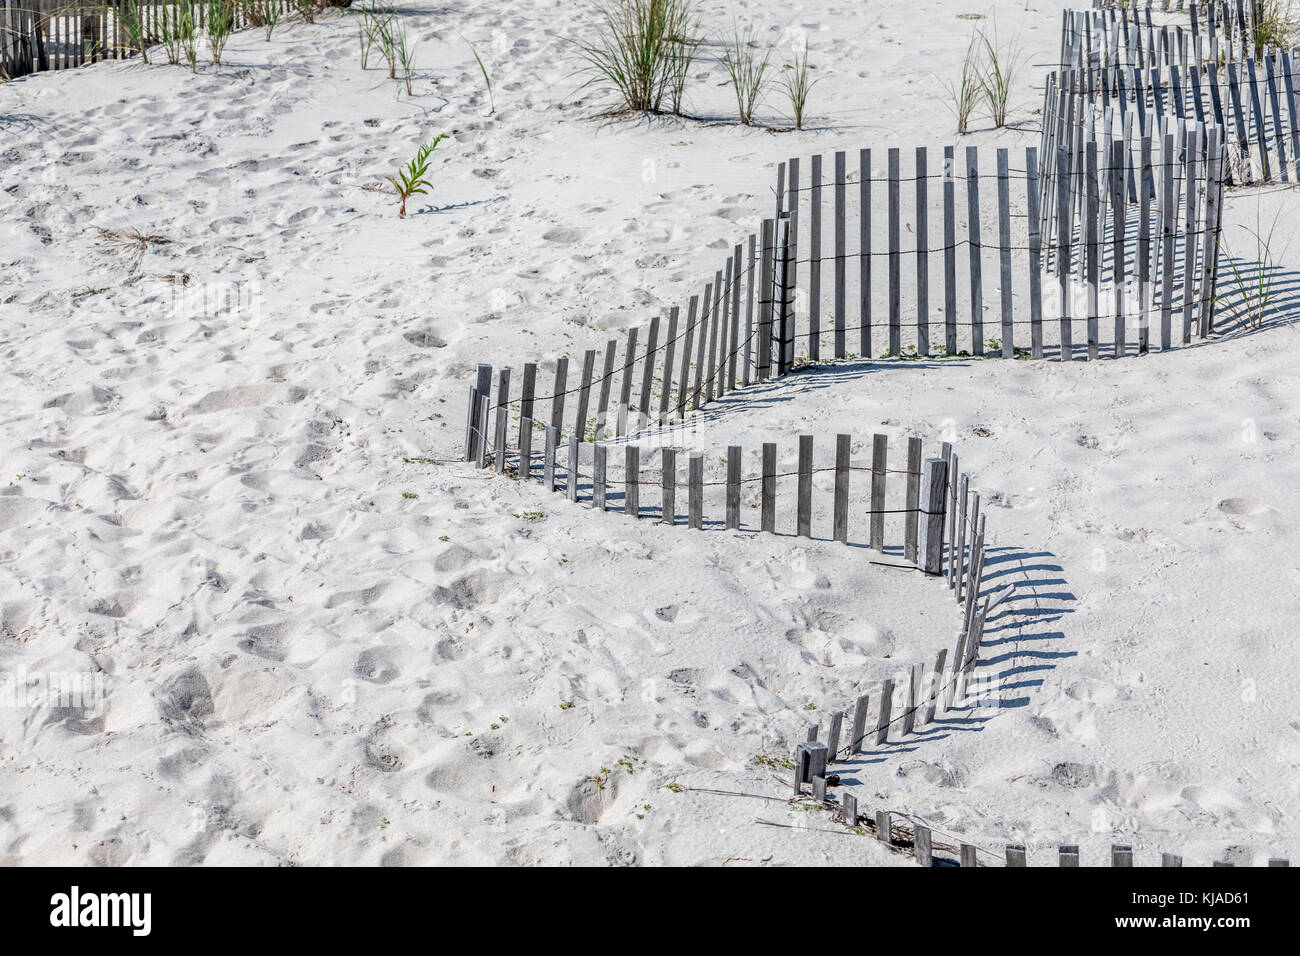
410, 179
487, 80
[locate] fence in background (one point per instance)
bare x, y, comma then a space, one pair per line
1125, 35
1214, 73
1134, 217
40, 35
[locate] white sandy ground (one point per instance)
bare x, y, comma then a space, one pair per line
304, 664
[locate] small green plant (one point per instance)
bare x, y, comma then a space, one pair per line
405, 53
747, 71
487, 80
187, 25
220, 16
1275, 24
131, 19
674, 787
797, 84
410, 180
966, 93
995, 78
566, 705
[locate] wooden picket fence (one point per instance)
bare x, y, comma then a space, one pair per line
41, 35
793, 294
1126, 35
1133, 218
1213, 73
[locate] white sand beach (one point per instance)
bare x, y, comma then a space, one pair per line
323, 638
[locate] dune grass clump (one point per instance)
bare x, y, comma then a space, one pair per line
642, 53
964, 95
797, 83
995, 79
410, 180
1254, 282
220, 16
987, 72
404, 51
747, 71
1275, 24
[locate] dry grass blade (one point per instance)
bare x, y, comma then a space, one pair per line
131, 243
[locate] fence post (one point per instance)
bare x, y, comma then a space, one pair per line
632, 480
922, 846
733, 486
668, 513
930, 543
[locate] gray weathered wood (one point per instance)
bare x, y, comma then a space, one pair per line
548, 457
557, 395
879, 462
850, 804
695, 491
670, 352
1170, 859
502, 421
804, 513
922, 846
840, 520
1015, 853
668, 510
768, 515
884, 827
913, 499
763, 358
860, 709
598, 471
841, 252
1035, 255
606, 383
571, 470
1119, 256
949, 251
471, 431
1064, 234
1093, 249
833, 735
526, 395
733, 486
895, 260
1190, 226
632, 480
647, 374
683, 386
815, 260
973, 234
625, 387
819, 789
735, 346
1168, 198
922, 253
717, 321
525, 470
969, 855
1004, 254
1068, 855
930, 538
1121, 854
750, 279
584, 393
936, 685
481, 449
913, 697
702, 346
1279, 862
886, 704
954, 557
864, 253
